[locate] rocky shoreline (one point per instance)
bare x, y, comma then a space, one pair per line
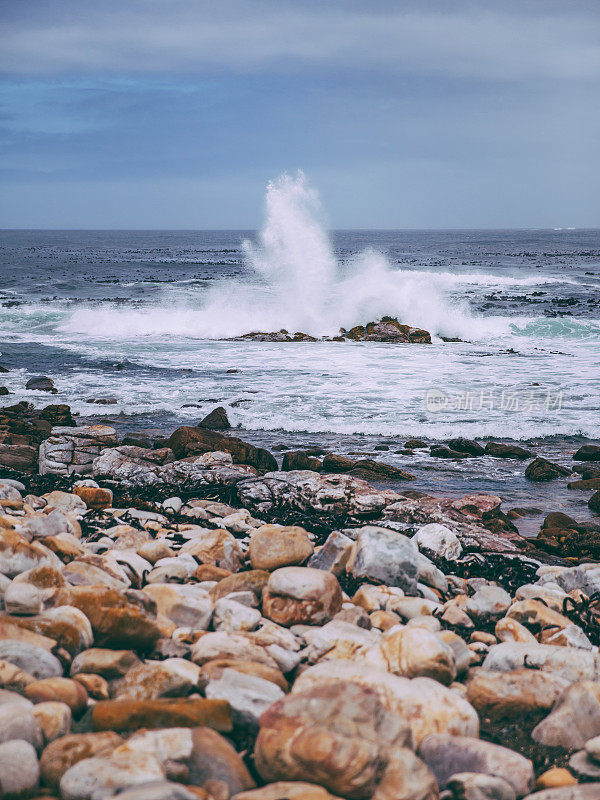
185, 620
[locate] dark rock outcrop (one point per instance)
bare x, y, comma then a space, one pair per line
501, 450
217, 420
187, 441
388, 329
540, 469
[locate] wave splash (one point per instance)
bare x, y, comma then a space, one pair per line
297, 283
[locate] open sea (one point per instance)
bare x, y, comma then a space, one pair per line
142, 318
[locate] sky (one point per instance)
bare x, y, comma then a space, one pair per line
403, 113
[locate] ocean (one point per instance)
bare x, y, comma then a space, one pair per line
142, 319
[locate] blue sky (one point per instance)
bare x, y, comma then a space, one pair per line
176, 113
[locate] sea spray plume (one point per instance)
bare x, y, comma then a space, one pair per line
293, 254
295, 282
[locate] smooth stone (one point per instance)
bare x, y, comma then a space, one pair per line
30, 658
221, 644
439, 540
100, 776
426, 705
23, 599
287, 790
574, 719
229, 615
301, 595
63, 753
478, 786
272, 547
568, 663
173, 677
186, 606
160, 790
62, 690
248, 695
387, 557
448, 755
334, 555
417, 652
188, 712
107, 663
19, 769
508, 695
54, 718
488, 603
19, 722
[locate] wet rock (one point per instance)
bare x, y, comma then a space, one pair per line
19, 769
426, 705
594, 502
468, 446
41, 383
301, 595
540, 469
588, 452
388, 329
217, 420
272, 547
192, 441
306, 491
363, 468
387, 557
298, 459
441, 451
501, 450
447, 755
574, 719
100, 776
189, 712
510, 695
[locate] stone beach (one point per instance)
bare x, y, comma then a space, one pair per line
186, 620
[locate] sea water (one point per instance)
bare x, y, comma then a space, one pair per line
143, 318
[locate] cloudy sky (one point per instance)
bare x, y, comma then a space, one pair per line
422, 114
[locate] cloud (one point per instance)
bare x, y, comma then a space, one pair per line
485, 40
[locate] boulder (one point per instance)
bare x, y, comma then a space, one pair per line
588, 452
248, 696
216, 420
187, 441
501, 450
540, 469
186, 605
387, 329
426, 705
515, 694
298, 459
338, 735
306, 491
173, 677
438, 540
334, 554
416, 652
41, 383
